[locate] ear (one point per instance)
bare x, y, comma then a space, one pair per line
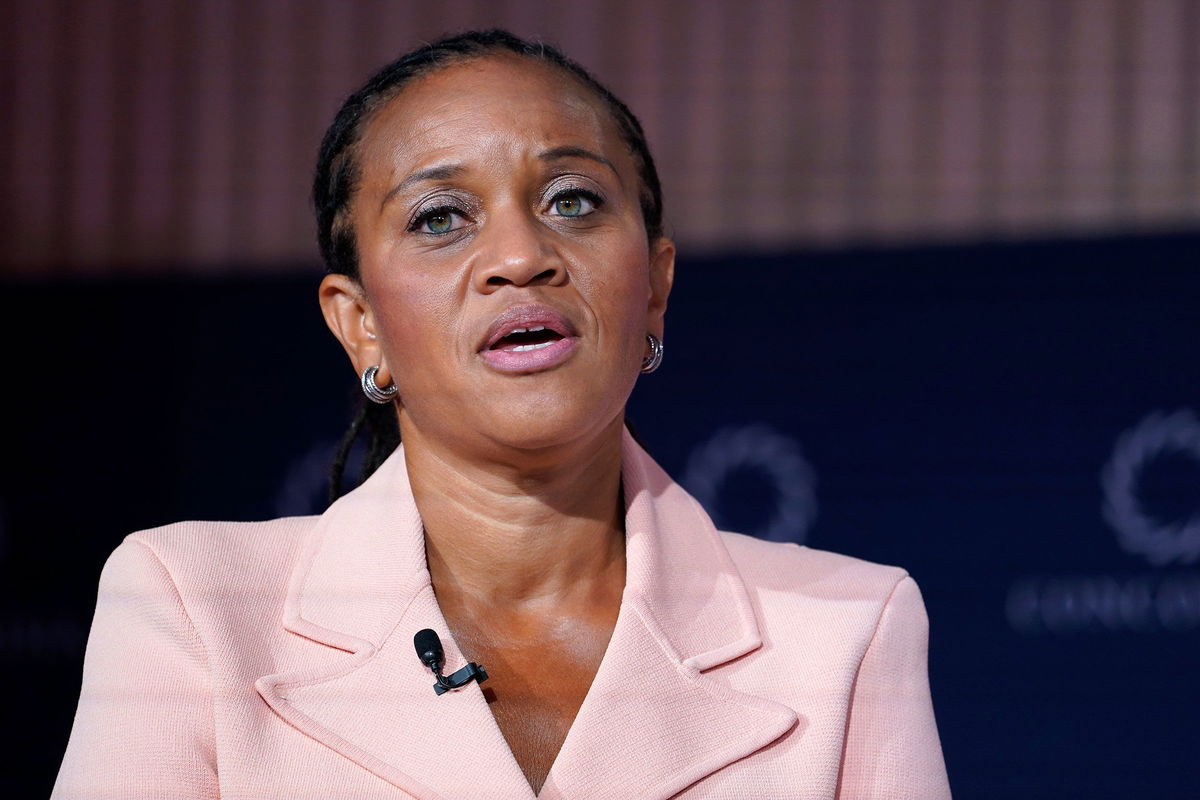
662, 277
349, 316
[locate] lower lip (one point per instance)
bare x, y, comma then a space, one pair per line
517, 361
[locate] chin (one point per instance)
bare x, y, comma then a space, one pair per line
526, 413
550, 422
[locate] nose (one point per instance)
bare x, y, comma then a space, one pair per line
515, 249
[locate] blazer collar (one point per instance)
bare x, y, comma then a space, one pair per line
678, 568
652, 724
362, 576
365, 561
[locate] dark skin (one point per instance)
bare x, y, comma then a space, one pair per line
486, 185
541, 657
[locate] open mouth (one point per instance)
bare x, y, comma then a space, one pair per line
527, 339
522, 340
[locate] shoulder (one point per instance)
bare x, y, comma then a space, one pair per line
184, 540
204, 556
802, 594
795, 568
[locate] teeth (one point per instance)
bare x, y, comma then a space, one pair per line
525, 347
517, 330
537, 328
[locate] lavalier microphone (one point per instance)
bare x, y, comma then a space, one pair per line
429, 650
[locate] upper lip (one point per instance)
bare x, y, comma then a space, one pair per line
526, 316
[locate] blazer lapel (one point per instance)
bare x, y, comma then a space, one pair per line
362, 586
653, 723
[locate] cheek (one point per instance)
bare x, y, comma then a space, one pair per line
624, 290
414, 320
405, 297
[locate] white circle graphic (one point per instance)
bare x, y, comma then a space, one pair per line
778, 457
1157, 434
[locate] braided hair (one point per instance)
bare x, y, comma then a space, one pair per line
338, 172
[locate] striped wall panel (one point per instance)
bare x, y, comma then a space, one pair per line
143, 136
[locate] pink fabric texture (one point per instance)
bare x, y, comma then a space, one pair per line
275, 660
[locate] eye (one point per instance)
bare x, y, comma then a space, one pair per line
438, 221
574, 203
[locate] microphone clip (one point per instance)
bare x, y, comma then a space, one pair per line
429, 650
459, 678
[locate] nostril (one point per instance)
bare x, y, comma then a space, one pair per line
542, 277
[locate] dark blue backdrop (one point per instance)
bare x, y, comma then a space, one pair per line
1016, 424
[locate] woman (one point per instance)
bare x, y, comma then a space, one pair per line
491, 219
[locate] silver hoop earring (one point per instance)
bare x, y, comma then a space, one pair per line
654, 360
372, 391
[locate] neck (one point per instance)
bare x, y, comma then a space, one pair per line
525, 531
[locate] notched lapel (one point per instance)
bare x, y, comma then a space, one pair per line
653, 723
361, 586
380, 711
651, 726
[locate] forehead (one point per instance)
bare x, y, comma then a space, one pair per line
486, 107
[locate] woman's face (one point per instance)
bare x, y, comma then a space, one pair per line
506, 281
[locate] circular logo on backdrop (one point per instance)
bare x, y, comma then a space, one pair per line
1155, 436
761, 450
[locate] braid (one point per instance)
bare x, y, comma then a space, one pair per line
384, 429
338, 468
384, 426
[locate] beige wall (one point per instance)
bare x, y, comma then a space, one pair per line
143, 135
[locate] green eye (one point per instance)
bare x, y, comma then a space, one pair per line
438, 221
569, 206
575, 203
441, 222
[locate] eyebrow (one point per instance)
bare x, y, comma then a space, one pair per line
444, 172
441, 172
571, 151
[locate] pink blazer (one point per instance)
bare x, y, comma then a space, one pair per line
275, 660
